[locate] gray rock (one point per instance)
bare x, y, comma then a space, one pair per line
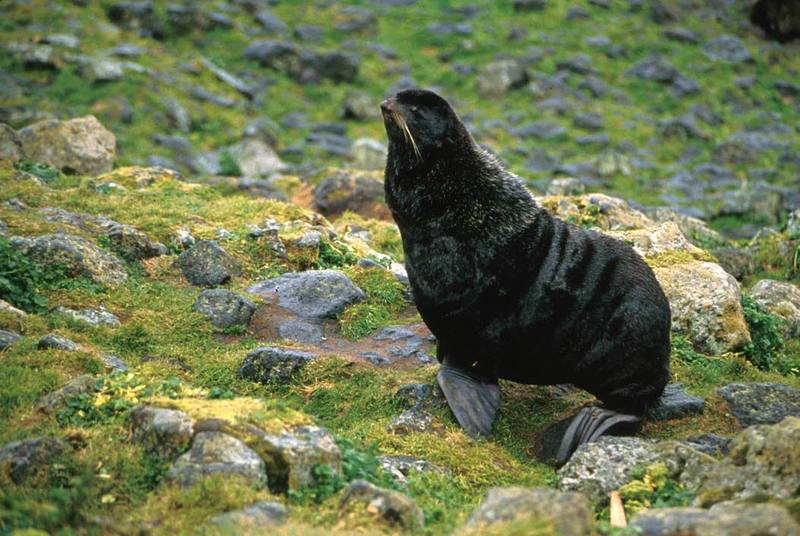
273, 364
675, 402
22, 459
292, 456
10, 144
740, 519
224, 308
132, 244
596, 469
35, 56
543, 130
312, 294
7, 338
259, 516
569, 513
217, 453
391, 507
761, 403
738, 262
565, 186
588, 121
356, 192
360, 105
782, 299
114, 363
102, 70
727, 48
301, 331
206, 264
367, 153
92, 317
450, 28
414, 420
77, 386
401, 467
80, 145
356, 19
711, 444
163, 432
419, 395
682, 35
52, 341
497, 78
78, 256
255, 158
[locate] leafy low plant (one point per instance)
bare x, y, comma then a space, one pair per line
45, 172
228, 165
335, 255
652, 488
20, 279
766, 347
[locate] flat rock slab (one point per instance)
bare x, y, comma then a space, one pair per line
675, 402
391, 507
92, 317
315, 294
217, 453
721, 520
761, 403
569, 513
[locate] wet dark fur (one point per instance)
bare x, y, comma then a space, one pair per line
510, 291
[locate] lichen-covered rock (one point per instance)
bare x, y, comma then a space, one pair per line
781, 299
728, 519
291, 456
206, 264
675, 402
21, 459
600, 210
412, 420
499, 77
10, 144
761, 403
255, 158
163, 432
268, 364
224, 308
132, 244
421, 395
57, 342
400, 467
762, 462
706, 305
7, 308
260, 516
217, 453
7, 338
357, 191
92, 317
78, 256
661, 244
77, 386
696, 231
80, 145
598, 468
568, 513
391, 507
312, 294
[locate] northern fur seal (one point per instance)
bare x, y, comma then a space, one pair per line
510, 291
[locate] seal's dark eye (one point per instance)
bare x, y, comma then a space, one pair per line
415, 109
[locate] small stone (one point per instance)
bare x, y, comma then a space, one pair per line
21, 459
132, 244
273, 364
217, 453
781, 299
114, 363
260, 516
727, 48
761, 403
721, 520
224, 308
414, 420
675, 403
57, 342
206, 264
391, 507
499, 77
77, 386
565, 186
101, 70
163, 432
418, 395
92, 317
7, 338
401, 467
568, 513
292, 456
315, 294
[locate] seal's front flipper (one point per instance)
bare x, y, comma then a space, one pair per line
589, 424
473, 402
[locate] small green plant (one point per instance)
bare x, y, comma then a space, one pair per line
652, 488
20, 279
361, 319
45, 172
335, 255
229, 166
766, 347
132, 339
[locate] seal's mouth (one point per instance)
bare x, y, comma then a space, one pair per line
390, 111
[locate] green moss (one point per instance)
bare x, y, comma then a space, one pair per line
766, 347
361, 319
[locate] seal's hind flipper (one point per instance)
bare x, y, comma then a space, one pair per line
589, 424
473, 402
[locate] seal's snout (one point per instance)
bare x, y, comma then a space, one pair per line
389, 105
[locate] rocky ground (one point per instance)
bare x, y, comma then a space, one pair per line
205, 322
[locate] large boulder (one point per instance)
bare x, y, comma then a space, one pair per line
567, 513
217, 453
76, 255
7, 338
706, 305
781, 299
314, 294
599, 210
80, 145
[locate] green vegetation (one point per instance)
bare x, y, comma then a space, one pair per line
384, 301
651, 487
19, 279
766, 349
44, 171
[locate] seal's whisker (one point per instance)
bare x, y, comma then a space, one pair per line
407, 133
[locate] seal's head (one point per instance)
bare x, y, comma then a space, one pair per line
420, 124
